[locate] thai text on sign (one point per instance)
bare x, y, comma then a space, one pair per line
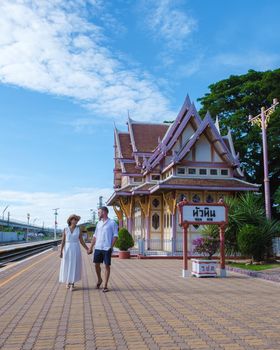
204, 213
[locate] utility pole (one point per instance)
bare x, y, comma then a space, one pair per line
8, 218
93, 215
100, 203
55, 222
262, 120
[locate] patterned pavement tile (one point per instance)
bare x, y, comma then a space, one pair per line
149, 306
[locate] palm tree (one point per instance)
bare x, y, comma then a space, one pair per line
270, 229
248, 209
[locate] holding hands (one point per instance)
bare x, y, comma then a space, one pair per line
90, 250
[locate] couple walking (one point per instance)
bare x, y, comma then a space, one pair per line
104, 239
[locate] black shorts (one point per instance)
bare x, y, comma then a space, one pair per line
101, 256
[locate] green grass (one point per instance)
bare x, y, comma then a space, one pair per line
254, 267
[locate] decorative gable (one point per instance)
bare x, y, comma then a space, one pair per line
203, 150
187, 133
216, 157
203, 142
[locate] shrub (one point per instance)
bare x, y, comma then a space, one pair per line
256, 241
251, 242
125, 240
206, 246
244, 209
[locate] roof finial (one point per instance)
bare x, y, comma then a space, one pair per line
217, 124
115, 127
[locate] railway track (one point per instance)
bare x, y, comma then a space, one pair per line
23, 252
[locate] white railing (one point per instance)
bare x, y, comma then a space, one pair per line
158, 247
276, 246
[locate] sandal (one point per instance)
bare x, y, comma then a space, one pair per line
67, 285
72, 286
98, 284
105, 290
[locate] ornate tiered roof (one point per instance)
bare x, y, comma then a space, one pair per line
153, 148
145, 136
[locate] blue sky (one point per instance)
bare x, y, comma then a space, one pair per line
69, 69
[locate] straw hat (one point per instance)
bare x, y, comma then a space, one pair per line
73, 216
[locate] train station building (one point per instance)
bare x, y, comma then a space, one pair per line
159, 164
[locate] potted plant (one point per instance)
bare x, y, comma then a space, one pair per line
206, 246
124, 242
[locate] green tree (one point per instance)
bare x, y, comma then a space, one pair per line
233, 100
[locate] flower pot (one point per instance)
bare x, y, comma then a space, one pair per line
124, 254
204, 268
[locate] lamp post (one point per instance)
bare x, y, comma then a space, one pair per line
3, 212
55, 222
100, 202
262, 120
27, 231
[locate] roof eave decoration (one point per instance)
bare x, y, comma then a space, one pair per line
116, 131
130, 129
168, 143
233, 152
233, 159
217, 124
210, 188
240, 171
164, 185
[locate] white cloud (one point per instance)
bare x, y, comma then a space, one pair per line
51, 46
40, 204
86, 125
168, 21
8, 177
192, 67
252, 59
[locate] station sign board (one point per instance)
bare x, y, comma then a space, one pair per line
203, 214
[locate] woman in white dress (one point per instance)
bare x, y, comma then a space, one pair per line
70, 253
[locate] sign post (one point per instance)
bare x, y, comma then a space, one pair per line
203, 214
185, 272
222, 251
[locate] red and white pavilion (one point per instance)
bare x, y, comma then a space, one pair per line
157, 165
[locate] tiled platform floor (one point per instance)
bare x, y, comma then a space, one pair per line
149, 307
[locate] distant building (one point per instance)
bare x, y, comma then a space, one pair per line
157, 165
88, 229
